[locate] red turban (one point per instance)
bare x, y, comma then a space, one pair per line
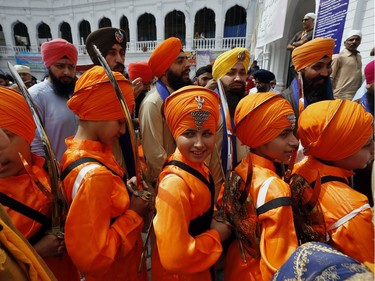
56, 49
15, 115
334, 129
192, 107
259, 118
140, 69
164, 55
94, 97
228, 59
369, 72
311, 52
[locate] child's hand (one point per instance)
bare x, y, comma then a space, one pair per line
50, 245
223, 229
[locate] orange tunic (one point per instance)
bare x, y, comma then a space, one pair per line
278, 238
99, 249
355, 237
25, 191
181, 198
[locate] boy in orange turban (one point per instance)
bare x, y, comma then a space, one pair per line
26, 202
185, 247
103, 226
338, 137
265, 123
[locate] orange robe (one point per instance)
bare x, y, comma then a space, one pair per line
101, 250
181, 198
278, 238
25, 191
355, 237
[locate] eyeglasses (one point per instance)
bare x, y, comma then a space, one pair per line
305, 20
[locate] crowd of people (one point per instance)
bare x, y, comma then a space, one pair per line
228, 176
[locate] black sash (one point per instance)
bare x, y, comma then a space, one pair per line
30, 213
202, 223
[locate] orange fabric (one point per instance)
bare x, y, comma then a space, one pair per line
56, 49
23, 253
259, 118
94, 97
228, 59
322, 124
278, 238
164, 55
181, 198
312, 51
140, 69
181, 105
354, 238
15, 115
99, 249
24, 190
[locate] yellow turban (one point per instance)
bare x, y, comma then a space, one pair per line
334, 129
94, 97
15, 115
261, 117
192, 107
312, 51
228, 59
164, 55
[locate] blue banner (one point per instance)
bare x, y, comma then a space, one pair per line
32, 60
331, 21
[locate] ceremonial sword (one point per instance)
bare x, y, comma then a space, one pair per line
58, 201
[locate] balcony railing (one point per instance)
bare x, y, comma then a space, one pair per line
143, 46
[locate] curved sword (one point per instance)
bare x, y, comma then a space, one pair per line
52, 165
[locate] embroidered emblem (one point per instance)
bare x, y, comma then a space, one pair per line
241, 56
292, 120
119, 36
200, 117
200, 102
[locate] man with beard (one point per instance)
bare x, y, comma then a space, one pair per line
169, 64
263, 80
312, 61
347, 68
50, 96
230, 68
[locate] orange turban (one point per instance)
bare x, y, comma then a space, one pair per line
312, 51
334, 129
228, 59
140, 69
261, 117
15, 115
164, 55
94, 97
56, 49
192, 107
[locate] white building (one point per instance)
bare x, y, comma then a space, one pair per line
203, 25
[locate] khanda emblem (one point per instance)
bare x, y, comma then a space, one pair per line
200, 116
241, 56
119, 36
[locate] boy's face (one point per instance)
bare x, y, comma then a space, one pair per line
195, 144
108, 131
358, 160
10, 162
280, 148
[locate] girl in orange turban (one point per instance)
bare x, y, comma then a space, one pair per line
338, 137
265, 123
103, 226
28, 205
185, 247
